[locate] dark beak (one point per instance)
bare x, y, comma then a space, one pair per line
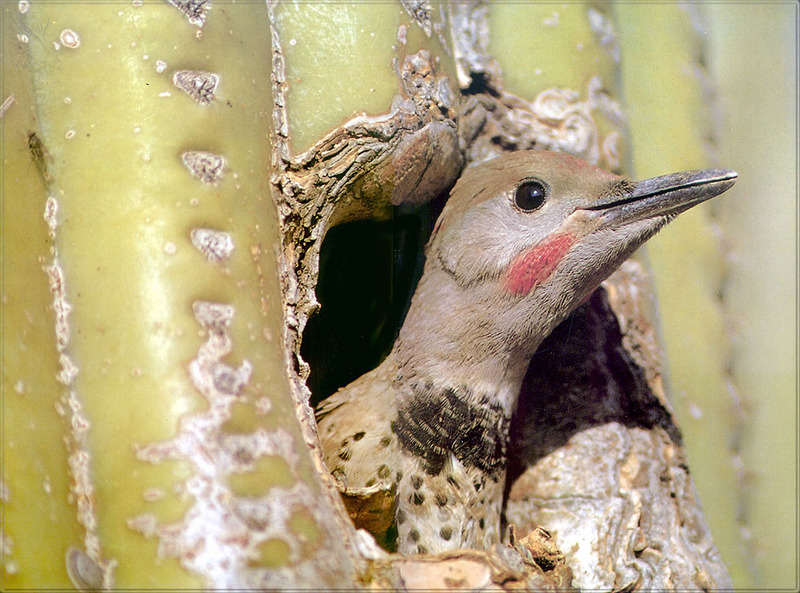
668, 195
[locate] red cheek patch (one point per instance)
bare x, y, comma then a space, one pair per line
535, 265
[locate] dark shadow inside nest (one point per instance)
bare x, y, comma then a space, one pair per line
580, 377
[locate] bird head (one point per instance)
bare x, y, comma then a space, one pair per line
531, 234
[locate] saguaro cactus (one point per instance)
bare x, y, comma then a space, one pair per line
170, 172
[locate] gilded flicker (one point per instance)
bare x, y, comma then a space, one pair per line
522, 241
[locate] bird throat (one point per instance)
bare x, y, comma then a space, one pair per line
535, 265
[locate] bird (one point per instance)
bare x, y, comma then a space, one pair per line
522, 241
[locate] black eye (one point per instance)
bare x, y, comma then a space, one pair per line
530, 195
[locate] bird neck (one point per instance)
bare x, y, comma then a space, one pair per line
464, 341
459, 362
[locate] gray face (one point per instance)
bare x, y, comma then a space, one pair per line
527, 236
521, 214
502, 208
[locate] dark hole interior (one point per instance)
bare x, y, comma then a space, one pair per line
368, 271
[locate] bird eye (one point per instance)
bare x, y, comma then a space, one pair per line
530, 195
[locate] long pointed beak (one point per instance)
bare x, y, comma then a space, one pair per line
667, 195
